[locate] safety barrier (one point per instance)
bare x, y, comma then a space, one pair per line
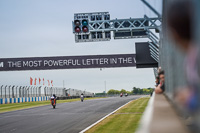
23, 99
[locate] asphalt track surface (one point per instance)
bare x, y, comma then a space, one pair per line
66, 118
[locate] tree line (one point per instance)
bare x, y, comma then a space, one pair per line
134, 91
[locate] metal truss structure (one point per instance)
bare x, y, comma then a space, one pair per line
100, 27
100, 30
124, 24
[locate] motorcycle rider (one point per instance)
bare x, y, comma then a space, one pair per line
54, 97
82, 97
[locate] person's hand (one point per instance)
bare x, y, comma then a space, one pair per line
158, 89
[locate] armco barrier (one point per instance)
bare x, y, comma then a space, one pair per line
10, 100
14, 100
23, 99
6, 101
1, 101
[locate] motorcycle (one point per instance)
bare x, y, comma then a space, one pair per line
53, 102
82, 98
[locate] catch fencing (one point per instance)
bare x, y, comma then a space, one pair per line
12, 91
171, 57
76, 92
18, 94
172, 61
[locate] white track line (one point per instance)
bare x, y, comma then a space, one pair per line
104, 117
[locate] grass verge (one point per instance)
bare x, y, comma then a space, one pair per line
25, 105
125, 120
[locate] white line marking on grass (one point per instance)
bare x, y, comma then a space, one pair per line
104, 117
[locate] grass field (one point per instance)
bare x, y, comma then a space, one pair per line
125, 120
25, 105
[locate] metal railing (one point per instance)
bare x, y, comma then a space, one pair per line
76, 92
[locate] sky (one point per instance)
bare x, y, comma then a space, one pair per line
43, 28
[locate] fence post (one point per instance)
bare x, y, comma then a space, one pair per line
20, 91
1, 91
23, 91
40, 90
13, 95
31, 91
44, 91
28, 91
5, 90
9, 90
35, 91
16, 91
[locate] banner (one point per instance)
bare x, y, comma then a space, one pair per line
67, 62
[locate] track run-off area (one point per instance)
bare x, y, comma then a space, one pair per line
70, 117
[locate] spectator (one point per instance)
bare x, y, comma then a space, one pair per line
161, 87
157, 81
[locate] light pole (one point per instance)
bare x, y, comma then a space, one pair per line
105, 87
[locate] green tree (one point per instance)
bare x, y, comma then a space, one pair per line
117, 92
123, 91
135, 90
146, 91
139, 91
111, 91
129, 92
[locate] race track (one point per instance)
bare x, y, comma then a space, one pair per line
66, 118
